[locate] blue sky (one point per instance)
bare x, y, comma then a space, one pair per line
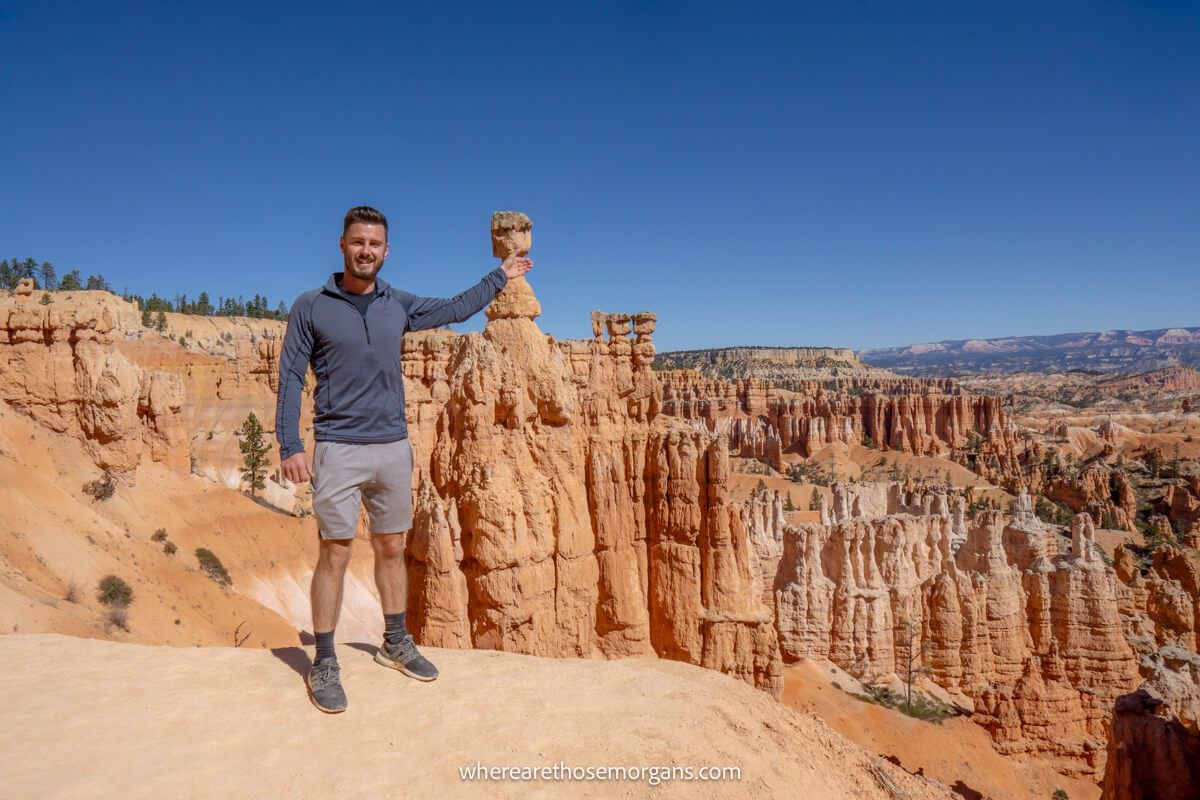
756, 173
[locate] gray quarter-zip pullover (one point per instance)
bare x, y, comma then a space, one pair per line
359, 397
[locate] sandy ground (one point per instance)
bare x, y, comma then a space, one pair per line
53, 537
88, 718
957, 752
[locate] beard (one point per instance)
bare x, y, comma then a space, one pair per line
363, 272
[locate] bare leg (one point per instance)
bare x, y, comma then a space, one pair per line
327, 583
391, 574
391, 578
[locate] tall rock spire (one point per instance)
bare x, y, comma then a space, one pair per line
512, 234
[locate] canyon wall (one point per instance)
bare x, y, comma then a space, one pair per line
59, 365
1030, 635
766, 422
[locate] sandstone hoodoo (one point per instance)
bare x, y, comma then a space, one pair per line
1028, 636
544, 522
1149, 756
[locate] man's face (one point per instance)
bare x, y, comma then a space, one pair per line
364, 247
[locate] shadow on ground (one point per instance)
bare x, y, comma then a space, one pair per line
299, 660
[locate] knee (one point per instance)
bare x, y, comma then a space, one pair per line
335, 556
389, 546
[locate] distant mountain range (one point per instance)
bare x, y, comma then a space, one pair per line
1102, 351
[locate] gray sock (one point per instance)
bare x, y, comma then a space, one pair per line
324, 648
393, 628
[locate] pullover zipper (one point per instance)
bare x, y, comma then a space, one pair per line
366, 328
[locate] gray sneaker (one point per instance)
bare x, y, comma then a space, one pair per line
407, 659
325, 687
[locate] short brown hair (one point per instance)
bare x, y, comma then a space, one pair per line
365, 215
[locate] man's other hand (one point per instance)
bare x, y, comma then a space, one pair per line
516, 266
295, 468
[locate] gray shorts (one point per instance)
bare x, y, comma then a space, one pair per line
377, 475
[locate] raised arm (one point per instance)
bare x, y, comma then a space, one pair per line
433, 312
293, 369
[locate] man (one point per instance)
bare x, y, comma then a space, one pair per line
350, 332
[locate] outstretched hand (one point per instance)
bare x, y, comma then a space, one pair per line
515, 266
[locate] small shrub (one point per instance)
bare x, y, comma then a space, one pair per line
160, 535
802, 472
1059, 794
113, 591
170, 549
102, 488
118, 616
72, 593
212, 566
1045, 509
924, 708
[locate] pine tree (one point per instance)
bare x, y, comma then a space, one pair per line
96, 283
71, 282
911, 652
254, 449
815, 503
203, 306
160, 322
788, 505
18, 271
147, 317
49, 277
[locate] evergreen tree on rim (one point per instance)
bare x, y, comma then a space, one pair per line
254, 449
